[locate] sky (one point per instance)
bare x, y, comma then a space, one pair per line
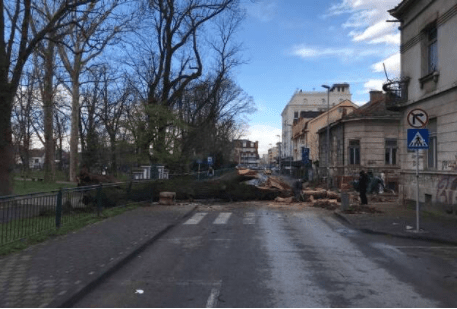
302, 44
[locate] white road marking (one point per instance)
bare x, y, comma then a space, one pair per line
196, 218
249, 218
222, 218
212, 299
423, 247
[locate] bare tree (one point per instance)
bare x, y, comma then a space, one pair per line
174, 63
116, 96
83, 44
23, 108
17, 43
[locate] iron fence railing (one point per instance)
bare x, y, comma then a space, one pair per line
26, 215
396, 93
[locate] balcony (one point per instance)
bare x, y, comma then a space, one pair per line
396, 93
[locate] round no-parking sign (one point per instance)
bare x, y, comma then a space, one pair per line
417, 118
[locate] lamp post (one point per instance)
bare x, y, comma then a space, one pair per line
290, 148
328, 135
279, 150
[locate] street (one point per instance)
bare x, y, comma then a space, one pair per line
259, 255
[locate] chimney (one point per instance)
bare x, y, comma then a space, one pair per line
376, 95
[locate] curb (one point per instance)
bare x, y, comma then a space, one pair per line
81, 292
406, 236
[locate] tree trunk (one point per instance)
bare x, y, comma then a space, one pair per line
48, 113
113, 155
6, 142
74, 129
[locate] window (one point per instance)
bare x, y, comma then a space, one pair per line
354, 152
391, 152
244, 144
302, 114
432, 145
432, 50
295, 115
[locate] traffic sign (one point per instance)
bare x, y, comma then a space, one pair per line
417, 118
210, 160
417, 138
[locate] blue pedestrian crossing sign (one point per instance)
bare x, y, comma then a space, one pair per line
417, 138
305, 155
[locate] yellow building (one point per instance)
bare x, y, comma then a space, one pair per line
304, 131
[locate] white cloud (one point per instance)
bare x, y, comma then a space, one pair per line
373, 84
343, 53
264, 10
265, 135
392, 66
368, 19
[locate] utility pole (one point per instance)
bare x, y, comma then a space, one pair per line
328, 135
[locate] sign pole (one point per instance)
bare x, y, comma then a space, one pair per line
417, 195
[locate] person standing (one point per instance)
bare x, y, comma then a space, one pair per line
363, 184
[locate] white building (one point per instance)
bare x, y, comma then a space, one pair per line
429, 82
308, 105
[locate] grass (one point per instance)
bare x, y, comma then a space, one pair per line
27, 187
59, 175
47, 223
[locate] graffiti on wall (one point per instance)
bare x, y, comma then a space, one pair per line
450, 165
446, 191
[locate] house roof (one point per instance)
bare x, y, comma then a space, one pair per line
37, 153
398, 11
374, 110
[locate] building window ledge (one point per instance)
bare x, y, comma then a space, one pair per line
434, 76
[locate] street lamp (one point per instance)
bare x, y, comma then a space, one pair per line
328, 134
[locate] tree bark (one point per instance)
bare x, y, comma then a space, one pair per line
6, 141
74, 133
48, 113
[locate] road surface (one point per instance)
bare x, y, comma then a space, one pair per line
259, 255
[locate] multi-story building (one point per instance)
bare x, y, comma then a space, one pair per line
273, 154
428, 81
246, 152
304, 131
308, 105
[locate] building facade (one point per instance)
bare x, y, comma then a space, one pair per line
428, 81
273, 155
304, 131
367, 139
246, 152
308, 105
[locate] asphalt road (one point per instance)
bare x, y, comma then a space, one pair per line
256, 255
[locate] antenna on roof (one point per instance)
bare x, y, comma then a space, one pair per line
385, 71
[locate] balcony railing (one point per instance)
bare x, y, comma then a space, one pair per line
396, 93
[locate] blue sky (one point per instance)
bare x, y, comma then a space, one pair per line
302, 44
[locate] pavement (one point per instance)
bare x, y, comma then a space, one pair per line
397, 220
58, 272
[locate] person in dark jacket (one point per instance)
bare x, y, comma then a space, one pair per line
297, 188
363, 184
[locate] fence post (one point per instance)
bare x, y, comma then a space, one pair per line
99, 200
59, 208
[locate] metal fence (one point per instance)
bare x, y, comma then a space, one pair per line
26, 215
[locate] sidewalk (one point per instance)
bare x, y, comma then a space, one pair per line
56, 272
400, 221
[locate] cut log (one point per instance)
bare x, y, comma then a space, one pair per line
167, 198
